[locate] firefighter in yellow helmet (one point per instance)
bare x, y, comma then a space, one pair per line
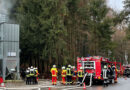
63, 74
80, 75
54, 75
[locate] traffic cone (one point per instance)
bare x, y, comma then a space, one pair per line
2, 85
49, 88
125, 78
84, 86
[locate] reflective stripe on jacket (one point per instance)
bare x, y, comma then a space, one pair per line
68, 71
54, 71
80, 73
63, 73
104, 74
32, 72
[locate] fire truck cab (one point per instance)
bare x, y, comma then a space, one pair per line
126, 70
94, 65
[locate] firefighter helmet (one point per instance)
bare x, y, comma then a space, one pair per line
105, 66
28, 68
63, 67
54, 66
31, 67
73, 67
69, 66
81, 67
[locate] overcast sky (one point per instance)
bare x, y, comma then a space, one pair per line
116, 4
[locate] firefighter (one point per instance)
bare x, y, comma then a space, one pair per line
68, 75
105, 75
54, 75
1, 78
32, 75
63, 74
113, 68
74, 75
37, 74
80, 75
28, 76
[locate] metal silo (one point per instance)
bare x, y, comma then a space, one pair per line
9, 49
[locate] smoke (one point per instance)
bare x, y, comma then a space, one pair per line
5, 9
6, 6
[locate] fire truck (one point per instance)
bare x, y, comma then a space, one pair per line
126, 70
92, 67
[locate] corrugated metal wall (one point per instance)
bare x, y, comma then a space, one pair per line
9, 46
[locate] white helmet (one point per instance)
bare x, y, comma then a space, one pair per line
54, 66
31, 66
105, 66
63, 67
69, 66
28, 68
36, 68
27, 71
81, 67
73, 67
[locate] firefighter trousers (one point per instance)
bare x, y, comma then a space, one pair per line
63, 80
105, 82
54, 80
80, 79
69, 79
28, 80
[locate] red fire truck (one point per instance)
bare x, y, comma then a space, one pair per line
94, 65
126, 70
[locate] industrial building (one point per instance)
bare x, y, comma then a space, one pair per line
9, 49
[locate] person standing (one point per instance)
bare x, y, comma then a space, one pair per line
32, 73
28, 76
37, 74
105, 75
63, 74
54, 72
68, 74
80, 75
74, 75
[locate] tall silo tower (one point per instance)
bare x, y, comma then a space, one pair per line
9, 49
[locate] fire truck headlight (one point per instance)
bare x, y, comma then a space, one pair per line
99, 77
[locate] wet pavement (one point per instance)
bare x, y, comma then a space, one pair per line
123, 84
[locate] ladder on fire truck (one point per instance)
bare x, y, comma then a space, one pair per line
86, 65
90, 84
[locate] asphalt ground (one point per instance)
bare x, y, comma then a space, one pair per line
123, 84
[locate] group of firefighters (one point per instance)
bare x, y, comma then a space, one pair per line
69, 75
32, 75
